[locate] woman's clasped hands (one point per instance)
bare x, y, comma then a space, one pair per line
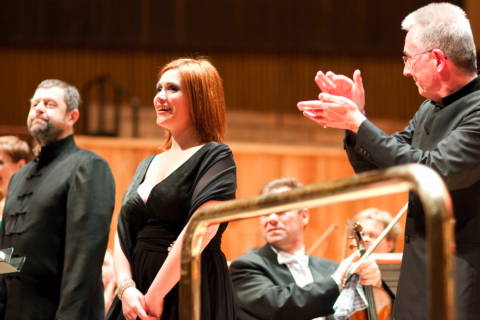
134, 306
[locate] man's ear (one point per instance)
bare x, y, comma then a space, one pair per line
305, 216
440, 59
72, 116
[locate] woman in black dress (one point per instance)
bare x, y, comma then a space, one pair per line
195, 170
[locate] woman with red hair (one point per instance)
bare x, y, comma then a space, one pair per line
195, 170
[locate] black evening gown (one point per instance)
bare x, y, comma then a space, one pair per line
147, 229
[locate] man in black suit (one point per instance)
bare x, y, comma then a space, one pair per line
279, 281
57, 214
440, 55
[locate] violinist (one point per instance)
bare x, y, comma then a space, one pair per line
367, 226
373, 222
279, 281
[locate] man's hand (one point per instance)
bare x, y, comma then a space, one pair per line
333, 111
345, 265
368, 271
340, 85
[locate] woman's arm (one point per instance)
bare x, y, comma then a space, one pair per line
169, 274
120, 262
133, 301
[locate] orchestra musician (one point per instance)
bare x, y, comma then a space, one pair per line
373, 221
279, 281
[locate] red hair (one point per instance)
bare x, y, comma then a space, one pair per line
204, 89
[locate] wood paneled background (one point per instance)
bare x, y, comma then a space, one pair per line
267, 51
261, 82
335, 27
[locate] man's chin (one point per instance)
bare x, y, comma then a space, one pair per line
44, 134
422, 92
275, 240
37, 126
38, 131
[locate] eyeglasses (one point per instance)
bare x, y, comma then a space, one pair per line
407, 58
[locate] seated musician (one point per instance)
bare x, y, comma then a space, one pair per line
373, 221
279, 281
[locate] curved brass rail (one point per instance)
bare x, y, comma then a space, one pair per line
412, 177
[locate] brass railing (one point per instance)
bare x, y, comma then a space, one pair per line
413, 177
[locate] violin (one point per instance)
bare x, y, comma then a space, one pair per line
378, 300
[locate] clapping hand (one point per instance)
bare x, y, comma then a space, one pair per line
333, 111
340, 105
340, 85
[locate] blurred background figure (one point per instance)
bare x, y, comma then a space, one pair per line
14, 153
373, 222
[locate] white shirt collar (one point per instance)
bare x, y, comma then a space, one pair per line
287, 258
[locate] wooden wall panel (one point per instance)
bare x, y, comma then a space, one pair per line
472, 8
335, 27
260, 82
256, 165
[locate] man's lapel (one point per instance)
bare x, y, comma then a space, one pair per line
279, 271
320, 268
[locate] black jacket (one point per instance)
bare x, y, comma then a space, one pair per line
447, 139
57, 214
265, 289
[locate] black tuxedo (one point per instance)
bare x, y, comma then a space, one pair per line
265, 289
446, 138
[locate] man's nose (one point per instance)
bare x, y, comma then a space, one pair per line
40, 107
407, 70
272, 218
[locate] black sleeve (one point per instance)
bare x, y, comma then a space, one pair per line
217, 179
359, 155
455, 157
261, 298
90, 203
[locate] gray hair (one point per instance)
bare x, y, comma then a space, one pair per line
445, 26
290, 183
70, 93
